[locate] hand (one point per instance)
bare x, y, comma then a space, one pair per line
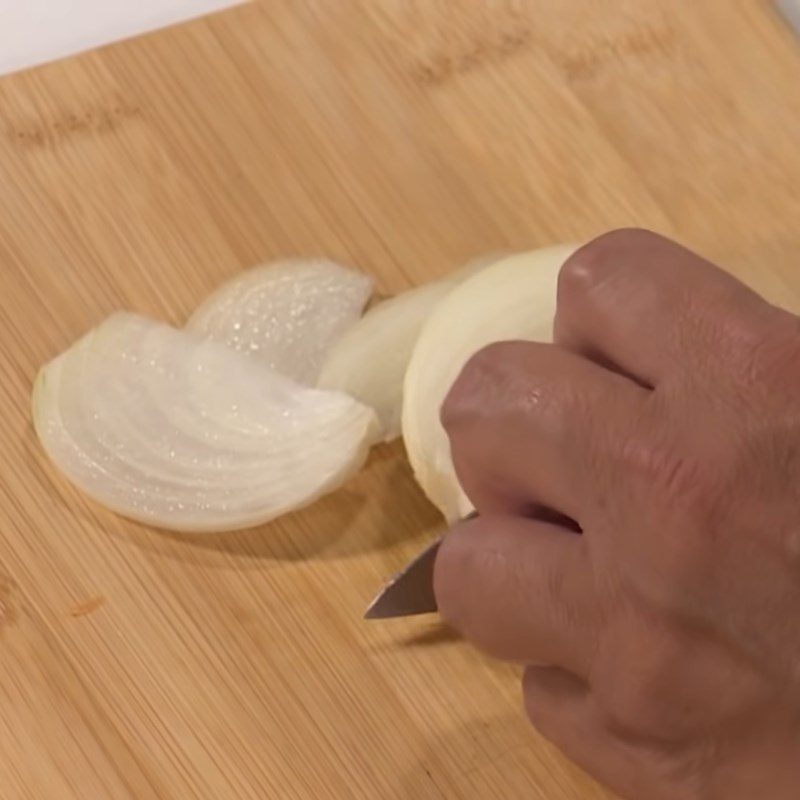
662, 644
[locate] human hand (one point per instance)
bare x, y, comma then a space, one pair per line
662, 646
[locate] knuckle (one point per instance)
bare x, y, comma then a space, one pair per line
674, 470
747, 345
699, 489
479, 374
624, 239
767, 351
491, 381
594, 264
578, 275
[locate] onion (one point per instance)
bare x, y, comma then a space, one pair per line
164, 427
514, 298
286, 314
369, 361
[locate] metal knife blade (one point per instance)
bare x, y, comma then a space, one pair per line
410, 591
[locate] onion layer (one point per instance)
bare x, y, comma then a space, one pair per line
182, 433
369, 361
286, 314
514, 298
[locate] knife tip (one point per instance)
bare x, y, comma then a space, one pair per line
372, 611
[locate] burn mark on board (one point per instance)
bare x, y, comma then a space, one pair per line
485, 50
49, 131
591, 57
578, 60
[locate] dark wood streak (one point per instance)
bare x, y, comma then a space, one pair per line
9, 608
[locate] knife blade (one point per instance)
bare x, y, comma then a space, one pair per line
410, 591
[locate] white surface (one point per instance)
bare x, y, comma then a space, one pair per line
35, 31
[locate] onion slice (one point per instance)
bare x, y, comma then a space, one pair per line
369, 361
285, 314
182, 433
514, 298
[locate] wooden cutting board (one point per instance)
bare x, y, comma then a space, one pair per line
403, 136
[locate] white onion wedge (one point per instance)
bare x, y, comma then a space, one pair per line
514, 298
182, 433
285, 314
369, 360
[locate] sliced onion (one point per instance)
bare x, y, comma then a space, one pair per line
369, 361
514, 298
182, 433
285, 314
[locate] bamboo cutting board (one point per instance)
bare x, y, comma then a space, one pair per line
403, 136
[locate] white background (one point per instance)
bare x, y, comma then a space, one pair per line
36, 31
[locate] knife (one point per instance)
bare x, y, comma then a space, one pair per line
410, 591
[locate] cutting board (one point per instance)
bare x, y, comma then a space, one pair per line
402, 136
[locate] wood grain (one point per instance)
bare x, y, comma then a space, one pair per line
403, 136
